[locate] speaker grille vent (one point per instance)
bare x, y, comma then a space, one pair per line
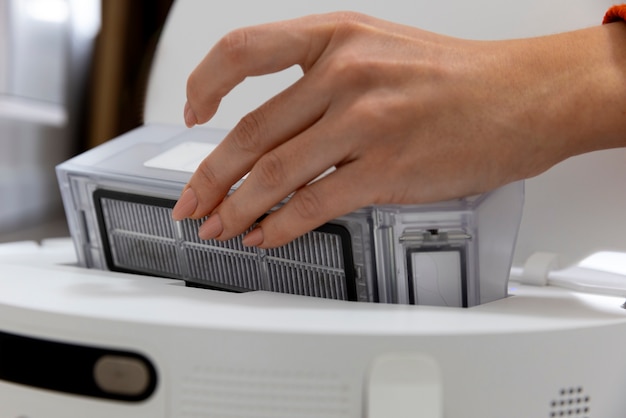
572, 402
241, 393
139, 236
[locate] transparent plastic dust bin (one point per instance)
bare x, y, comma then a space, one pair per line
119, 197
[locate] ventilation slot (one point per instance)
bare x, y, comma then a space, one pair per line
139, 236
243, 393
572, 402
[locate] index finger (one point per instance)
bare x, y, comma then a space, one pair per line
252, 51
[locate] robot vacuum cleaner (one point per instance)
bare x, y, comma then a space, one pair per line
508, 304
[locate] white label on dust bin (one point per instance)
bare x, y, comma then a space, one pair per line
186, 157
437, 278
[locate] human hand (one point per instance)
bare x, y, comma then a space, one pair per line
405, 116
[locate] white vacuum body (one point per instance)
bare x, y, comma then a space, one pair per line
78, 342
116, 340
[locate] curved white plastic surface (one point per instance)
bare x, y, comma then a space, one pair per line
43, 280
260, 354
405, 385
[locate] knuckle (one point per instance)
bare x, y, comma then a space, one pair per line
349, 65
355, 71
234, 44
247, 135
348, 21
370, 110
207, 177
269, 171
306, 204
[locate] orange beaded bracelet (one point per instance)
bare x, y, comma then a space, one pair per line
615, 14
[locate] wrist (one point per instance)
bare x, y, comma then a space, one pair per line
600, 88
574, 91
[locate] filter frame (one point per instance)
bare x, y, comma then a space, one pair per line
100, 194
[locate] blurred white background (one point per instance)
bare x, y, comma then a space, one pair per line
72, 75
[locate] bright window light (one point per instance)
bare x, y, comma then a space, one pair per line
607, 261
53, 11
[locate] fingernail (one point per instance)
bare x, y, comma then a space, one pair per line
211, 228
254, 238
186, 205
190, 116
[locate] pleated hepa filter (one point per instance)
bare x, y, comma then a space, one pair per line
139, 236
118, 200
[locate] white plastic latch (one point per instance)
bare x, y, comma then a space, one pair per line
538, 267
405, 385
